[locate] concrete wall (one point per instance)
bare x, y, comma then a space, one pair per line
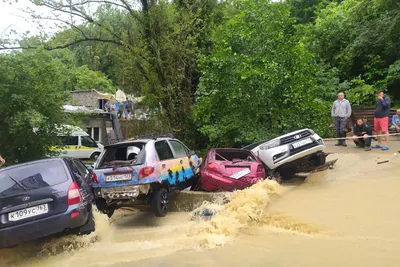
85, 98
98, 122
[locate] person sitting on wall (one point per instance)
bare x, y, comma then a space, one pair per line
362, 134
396, 122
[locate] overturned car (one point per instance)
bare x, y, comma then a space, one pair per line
228, 169
298, 151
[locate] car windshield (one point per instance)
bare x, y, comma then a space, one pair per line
31, 177
124, 155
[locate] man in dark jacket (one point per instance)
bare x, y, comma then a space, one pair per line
381, 120
362, 134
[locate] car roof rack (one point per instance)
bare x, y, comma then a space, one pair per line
154, 136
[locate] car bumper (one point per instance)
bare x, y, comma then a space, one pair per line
121, 192
17, 234
217, 182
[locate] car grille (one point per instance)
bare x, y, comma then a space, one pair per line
291, 138
302, 148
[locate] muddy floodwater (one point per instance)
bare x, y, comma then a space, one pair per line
346, 216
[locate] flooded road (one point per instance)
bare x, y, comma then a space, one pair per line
347, 216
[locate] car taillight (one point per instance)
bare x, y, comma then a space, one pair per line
94, 178
146, 171
74, 194
212, 167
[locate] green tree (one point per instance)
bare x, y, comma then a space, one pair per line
87, 79
259, 81
31, 98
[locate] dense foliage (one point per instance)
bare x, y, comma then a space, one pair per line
220, 72
259, 81
31, 99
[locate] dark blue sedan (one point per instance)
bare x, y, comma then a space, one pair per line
44, 198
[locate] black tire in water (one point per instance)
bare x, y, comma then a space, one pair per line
89, 227
160, 202
287, 174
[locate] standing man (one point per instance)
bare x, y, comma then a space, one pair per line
2, 161
341, 111
381, 120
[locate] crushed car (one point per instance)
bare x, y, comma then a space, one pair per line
142, 173
295, 152
228, 169
44, 198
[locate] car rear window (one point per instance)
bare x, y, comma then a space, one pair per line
124, 155
31, 177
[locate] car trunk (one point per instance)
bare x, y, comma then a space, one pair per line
33, 191
117, 176
237, 163
120, 165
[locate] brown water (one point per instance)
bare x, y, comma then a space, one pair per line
347, 216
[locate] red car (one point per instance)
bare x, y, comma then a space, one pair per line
228, 169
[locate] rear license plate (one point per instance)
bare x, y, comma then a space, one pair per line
119, 177
302, 143
28, 212
240, 174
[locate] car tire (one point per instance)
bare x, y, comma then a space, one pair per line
89, 227
287, 174
318, 159
94, 156
160, 202
195, 183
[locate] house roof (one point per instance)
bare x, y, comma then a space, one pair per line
83, 109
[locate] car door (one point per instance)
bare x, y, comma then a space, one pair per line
182, 155
168, 166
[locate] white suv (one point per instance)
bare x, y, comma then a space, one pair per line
291, 153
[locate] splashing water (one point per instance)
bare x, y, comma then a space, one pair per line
246, 208
36, 250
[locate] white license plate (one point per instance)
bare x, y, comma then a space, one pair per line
119, 177
240, 174
28, 212
302, 143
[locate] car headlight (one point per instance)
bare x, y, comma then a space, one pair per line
311, 131
270, 144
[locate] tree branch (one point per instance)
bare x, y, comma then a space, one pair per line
3, 47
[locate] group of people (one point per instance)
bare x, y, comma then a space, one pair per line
124, 110
362, 131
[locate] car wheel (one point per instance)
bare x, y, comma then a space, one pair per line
160, 202
89, 227
195, 183
287, 174
94, 156
318, 159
